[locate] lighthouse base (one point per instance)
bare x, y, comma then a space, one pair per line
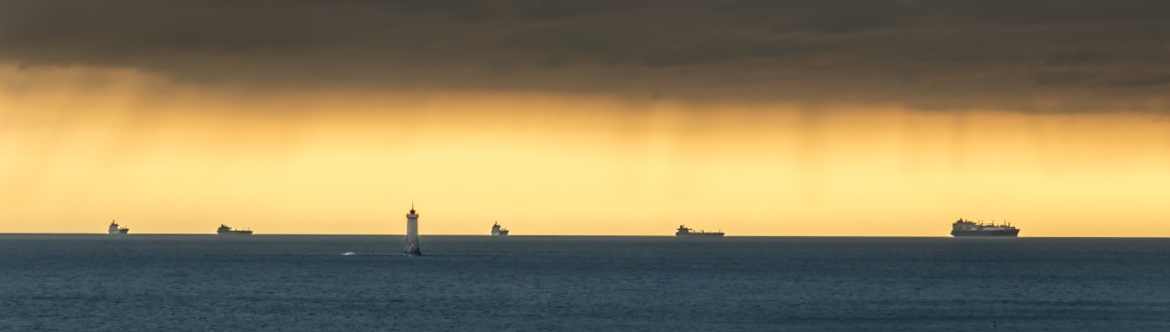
412, 252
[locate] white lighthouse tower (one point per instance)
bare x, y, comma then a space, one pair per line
412, 233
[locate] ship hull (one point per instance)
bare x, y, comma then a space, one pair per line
703, 235
996, 233
235, 233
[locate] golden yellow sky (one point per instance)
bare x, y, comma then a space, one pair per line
79, 147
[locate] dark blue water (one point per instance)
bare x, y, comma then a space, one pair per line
283, 283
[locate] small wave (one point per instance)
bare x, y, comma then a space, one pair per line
348, 253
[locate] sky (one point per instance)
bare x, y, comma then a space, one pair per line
783, 117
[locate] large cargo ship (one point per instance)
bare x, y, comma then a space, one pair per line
967, 228
498, 230
684, 231
114, 229
224, 230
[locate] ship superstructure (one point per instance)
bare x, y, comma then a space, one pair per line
498, 230
114, 229
224, 230
963, 227
684, 231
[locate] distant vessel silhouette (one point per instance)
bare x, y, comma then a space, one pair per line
117, 230
224, 230
497, 230
967, 228
684, 231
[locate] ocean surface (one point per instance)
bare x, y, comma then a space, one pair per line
307, 283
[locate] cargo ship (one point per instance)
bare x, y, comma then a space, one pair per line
224, 230
498, 230
684, 231
967, 228
117, 230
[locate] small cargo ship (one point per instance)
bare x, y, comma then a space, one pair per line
499, 231
117, 230
684, 231
967, 228
224, 230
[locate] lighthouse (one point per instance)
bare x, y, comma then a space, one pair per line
412, 233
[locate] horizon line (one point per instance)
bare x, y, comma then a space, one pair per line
579, 235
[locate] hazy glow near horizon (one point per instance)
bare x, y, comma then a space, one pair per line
81, 147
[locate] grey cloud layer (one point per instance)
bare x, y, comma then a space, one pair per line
1031, 55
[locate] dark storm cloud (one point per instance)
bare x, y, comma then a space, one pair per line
1019, 55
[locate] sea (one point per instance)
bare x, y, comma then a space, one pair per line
553, 283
